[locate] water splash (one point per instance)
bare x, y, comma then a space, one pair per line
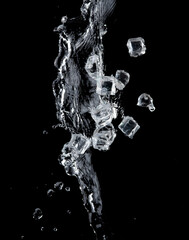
87, 100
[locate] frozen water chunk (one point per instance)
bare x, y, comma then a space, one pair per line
136, 46
122, 79
80, 143
103, 114
103, 137
129, 126
37, 214
145, 100
93, 66
106, 86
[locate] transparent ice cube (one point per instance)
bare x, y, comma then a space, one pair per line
93, 66
106, 86
103, 114
122, 79
129, 126
79, 143
136, 46
103, 137
145, 100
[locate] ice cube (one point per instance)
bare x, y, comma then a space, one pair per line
80, 143
136, 46
103, 137
93, 67
129, 126
122, 79
145, 100
106, 86
102, 114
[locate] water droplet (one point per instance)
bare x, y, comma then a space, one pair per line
59, 185
22, 237
67, 189
50, 192
42, 229
69, 212
45, 132
37, 214
55, 229
64, 19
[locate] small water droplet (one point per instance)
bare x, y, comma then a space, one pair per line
53, 126
42, 229
67, 189
59, 185
37, 214
69, 212
55, 229
22, 237
50, 192
45, 132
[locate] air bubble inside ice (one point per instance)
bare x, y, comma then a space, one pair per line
136, 46
129, 126
145, 100
37, 214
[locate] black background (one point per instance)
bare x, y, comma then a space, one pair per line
143, 181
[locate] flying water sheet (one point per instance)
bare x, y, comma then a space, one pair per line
87, 100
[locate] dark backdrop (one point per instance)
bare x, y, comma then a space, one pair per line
143, 181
